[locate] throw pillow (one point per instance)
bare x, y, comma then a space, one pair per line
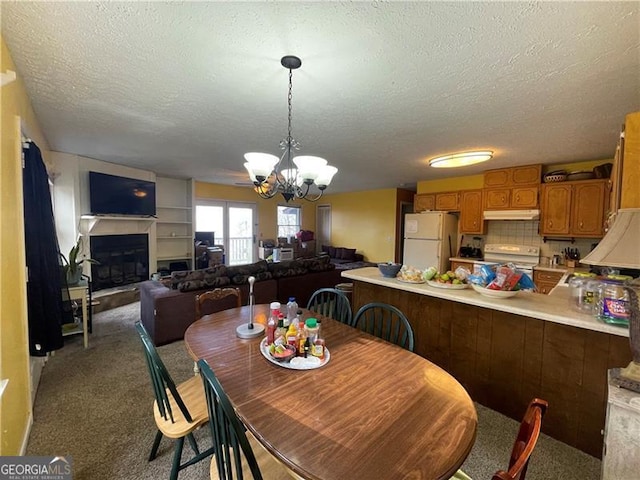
185, 276
349, 254
325, 248
339, 253
333, 252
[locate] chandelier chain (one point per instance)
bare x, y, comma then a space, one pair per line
289, 98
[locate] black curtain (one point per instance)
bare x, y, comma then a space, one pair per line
44, 284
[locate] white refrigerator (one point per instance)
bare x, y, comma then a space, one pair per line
430, 239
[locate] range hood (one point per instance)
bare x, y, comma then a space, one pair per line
511, 214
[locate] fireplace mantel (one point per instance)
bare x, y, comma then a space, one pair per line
114, 225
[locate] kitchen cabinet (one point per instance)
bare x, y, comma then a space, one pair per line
471, 212
513, 177
575, 209
461, 263
630, 163
447, 201
424, 201
545, 281
506, 198
587, 215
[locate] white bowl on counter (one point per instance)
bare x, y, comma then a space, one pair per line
487, 292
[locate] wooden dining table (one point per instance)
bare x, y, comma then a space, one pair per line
374, 411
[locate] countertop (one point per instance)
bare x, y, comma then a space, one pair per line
553, 307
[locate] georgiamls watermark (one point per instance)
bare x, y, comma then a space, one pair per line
36, 468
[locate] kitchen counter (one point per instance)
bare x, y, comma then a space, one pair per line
553, 307
507, 351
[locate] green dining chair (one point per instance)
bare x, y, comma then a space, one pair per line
523, 447
331, 303
178, 409
238, 454
387, 322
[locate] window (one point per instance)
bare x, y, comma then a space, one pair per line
289, 220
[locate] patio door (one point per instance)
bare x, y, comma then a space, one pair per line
234, 224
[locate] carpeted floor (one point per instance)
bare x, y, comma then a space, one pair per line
95, 405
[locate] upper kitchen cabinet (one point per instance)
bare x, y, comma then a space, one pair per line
512, 188
514, 198
628, 167
424, 201
574, 209
513, 177
471, 212
448, 201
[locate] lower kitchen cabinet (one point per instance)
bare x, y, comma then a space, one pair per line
545, 281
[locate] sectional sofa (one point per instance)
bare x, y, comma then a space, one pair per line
167, 307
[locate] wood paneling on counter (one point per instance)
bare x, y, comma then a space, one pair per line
503, 360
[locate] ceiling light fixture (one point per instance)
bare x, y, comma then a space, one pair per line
460, 159
291, 176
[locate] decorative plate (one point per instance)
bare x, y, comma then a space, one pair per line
400, 279
487, 292
296, 363
450, 286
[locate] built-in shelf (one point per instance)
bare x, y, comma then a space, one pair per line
175, 257
173, 208
164, 222
172, 237
112, 225
8, 77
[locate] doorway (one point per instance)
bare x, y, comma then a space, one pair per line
234, 224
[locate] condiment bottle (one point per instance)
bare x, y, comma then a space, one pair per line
311, 327
272, 322
317, 349
281, 331
292, 335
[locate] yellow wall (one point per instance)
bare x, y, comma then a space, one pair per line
15, 406
365, 221
451, 184
267, 211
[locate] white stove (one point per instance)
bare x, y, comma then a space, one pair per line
524, 257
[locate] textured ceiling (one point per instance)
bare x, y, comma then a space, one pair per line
184, 89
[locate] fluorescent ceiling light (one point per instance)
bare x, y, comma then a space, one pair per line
460, 159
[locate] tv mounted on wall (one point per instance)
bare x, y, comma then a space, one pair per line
113, 195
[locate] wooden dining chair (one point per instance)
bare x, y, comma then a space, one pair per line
215, 295
178, 409
387, 322
238, 453
331, 303
523, 446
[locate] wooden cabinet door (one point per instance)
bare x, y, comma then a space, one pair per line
546, 281
497, 198
526, 175
524, 197
587, 215
447, 201
556, 209
471, 212
457, 263
497, 178
424, 201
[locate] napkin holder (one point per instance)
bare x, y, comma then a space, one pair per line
250, 330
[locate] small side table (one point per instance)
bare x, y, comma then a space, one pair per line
80, 292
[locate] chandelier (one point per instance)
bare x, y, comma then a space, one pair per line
291, 176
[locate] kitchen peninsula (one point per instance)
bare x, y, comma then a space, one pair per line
507, 351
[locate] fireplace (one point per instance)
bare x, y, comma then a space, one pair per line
124, 259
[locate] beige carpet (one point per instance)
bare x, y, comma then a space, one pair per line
95, 405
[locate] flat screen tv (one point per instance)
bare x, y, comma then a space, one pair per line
113, 195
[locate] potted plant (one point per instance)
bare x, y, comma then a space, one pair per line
72, 267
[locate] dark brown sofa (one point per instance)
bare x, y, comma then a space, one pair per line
168, 308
